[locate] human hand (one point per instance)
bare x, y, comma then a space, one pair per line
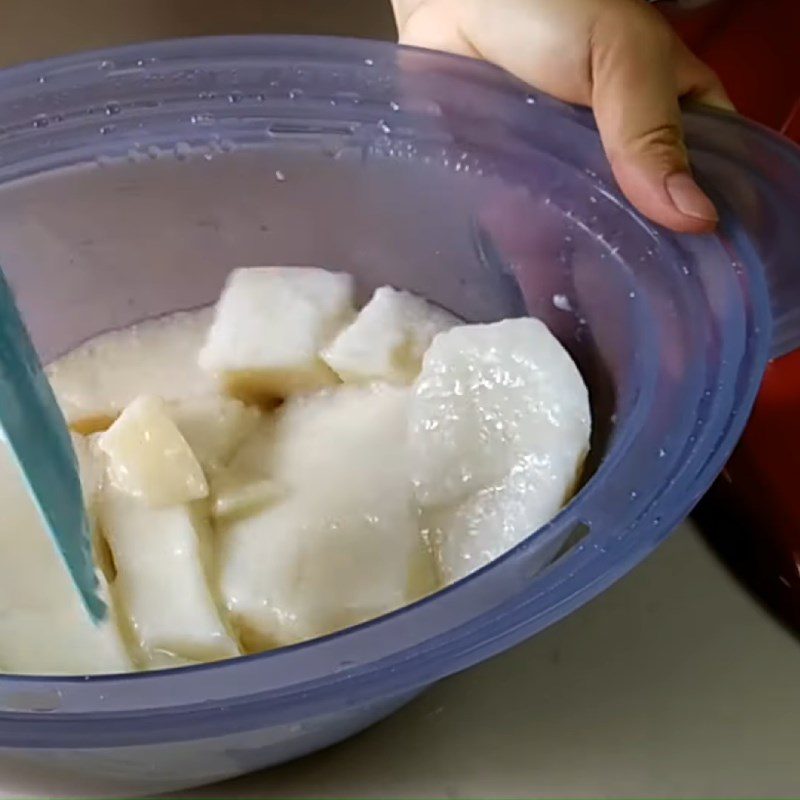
617, 56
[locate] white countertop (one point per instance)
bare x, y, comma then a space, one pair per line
673, 683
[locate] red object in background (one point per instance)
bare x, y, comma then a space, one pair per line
752, 515
754, 45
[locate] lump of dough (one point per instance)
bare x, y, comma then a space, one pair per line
387, 339
269, 328
148, 457
499, 427
343, 544
162, 558
213, 426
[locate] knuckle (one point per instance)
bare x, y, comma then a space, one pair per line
662, 144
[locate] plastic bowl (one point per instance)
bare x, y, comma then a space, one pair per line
132, 180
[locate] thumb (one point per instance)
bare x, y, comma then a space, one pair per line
635, 101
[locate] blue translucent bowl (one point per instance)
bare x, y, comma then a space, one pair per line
132, 180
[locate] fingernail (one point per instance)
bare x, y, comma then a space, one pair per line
689, 198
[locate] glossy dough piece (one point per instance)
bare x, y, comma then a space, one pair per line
499, 427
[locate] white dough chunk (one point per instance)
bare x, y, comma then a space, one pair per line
148, 457
94, 382
44, 628
344, 544
499, 427
162, 586
388, 338
235, 496
214, 427
269, 328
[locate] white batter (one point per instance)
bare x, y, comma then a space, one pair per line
285, 468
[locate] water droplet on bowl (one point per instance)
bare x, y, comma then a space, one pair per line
112, 108
383, 126
530, 100
394, 106
104, 129
41, 121
369, 62
135, 154
183, 150
279, 176
561, 302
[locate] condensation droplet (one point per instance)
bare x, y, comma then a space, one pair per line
112, 108
384, 126
279, 176
530, 100
183, 150
561, 302
394, 106
104, 129
369, 62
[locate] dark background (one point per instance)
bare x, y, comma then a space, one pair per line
33, 29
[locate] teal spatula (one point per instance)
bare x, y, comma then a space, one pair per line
31, 421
